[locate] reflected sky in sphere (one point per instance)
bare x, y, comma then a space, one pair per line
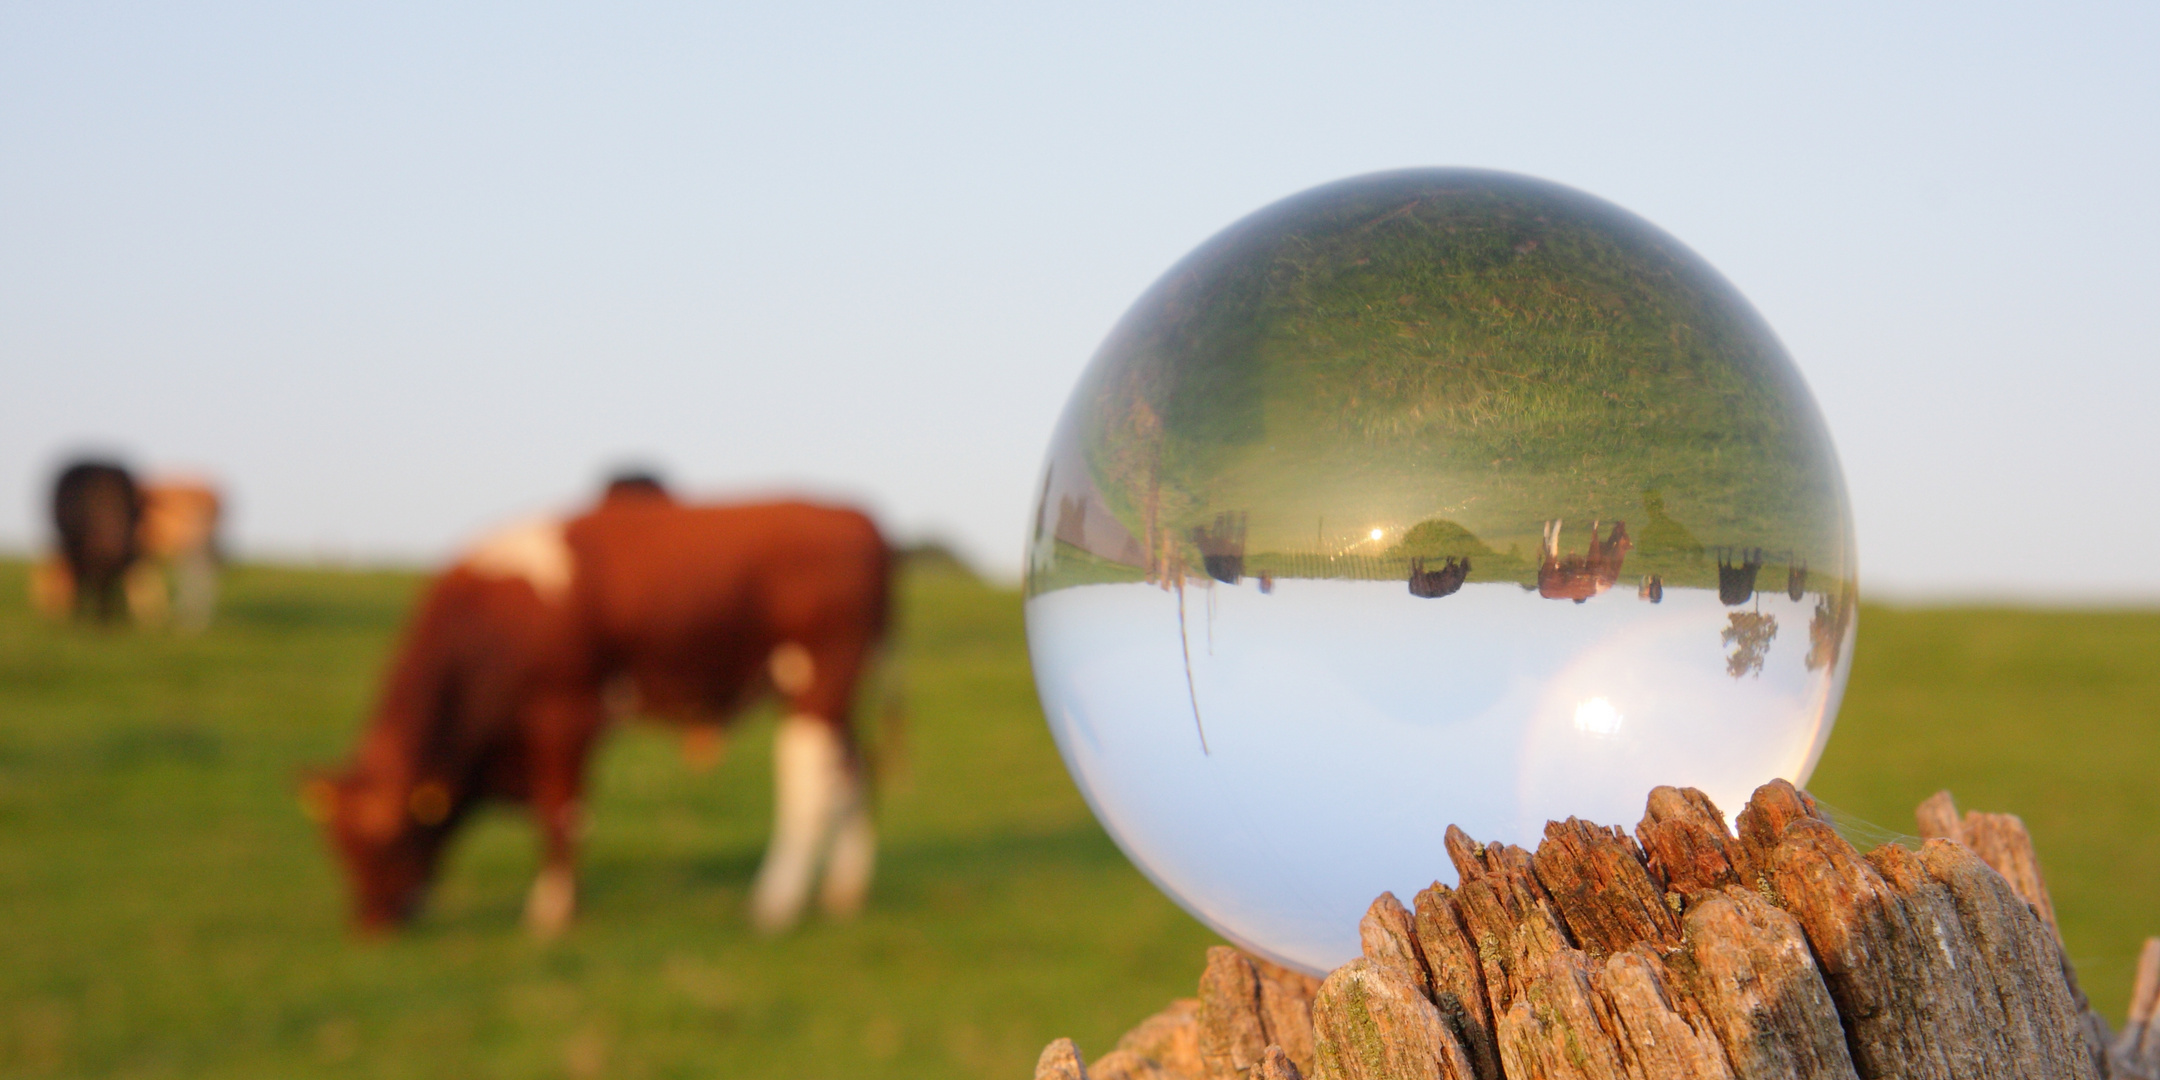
1426, 498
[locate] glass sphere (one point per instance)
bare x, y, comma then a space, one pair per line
1428, 497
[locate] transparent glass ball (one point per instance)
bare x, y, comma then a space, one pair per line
1428, 497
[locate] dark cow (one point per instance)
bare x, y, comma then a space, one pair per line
505, 678
1580, 577
96, 511
1433, 584
1736, 582
1222, 548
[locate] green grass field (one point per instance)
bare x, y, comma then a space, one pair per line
165, 910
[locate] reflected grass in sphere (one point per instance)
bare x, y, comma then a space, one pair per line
1430, 497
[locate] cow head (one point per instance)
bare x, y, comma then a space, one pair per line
387, 835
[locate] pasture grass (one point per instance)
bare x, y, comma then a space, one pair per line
165, 909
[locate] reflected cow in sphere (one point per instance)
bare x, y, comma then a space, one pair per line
1736, 582
1580, 577
507, 674
1433, 584
1222, 547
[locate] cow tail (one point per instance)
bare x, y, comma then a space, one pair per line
886, 755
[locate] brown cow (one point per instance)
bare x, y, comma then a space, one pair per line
175, 576
1580, 577
501, 687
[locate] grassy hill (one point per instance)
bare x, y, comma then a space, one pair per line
1450, 348
165, 910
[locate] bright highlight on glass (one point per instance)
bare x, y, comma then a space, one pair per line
1612, 550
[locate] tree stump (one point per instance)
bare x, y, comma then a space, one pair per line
1772, 950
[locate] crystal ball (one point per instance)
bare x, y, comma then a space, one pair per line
1428, 497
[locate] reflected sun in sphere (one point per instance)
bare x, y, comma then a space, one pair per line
1598, 717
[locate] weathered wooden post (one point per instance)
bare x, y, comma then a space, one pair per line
1773, 950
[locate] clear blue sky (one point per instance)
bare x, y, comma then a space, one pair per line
398, 272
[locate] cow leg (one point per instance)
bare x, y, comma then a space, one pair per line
854, 849
195, 587
561, 735
809, 770
552, 901
52, 588
144, 585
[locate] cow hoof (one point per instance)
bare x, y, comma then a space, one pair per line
551, 903
774, 918
847, 876
841, 905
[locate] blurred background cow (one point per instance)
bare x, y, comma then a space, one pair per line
96, 508
524, 650
175, 576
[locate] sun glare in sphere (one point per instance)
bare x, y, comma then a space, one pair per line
1376, 534
1598, 717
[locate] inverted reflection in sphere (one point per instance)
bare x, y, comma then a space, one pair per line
1429, 497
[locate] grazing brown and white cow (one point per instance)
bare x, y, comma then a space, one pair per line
505, 679
1580, 577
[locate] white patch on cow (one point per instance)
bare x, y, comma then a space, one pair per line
533, 549
792, 668
809, 776
552, 901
